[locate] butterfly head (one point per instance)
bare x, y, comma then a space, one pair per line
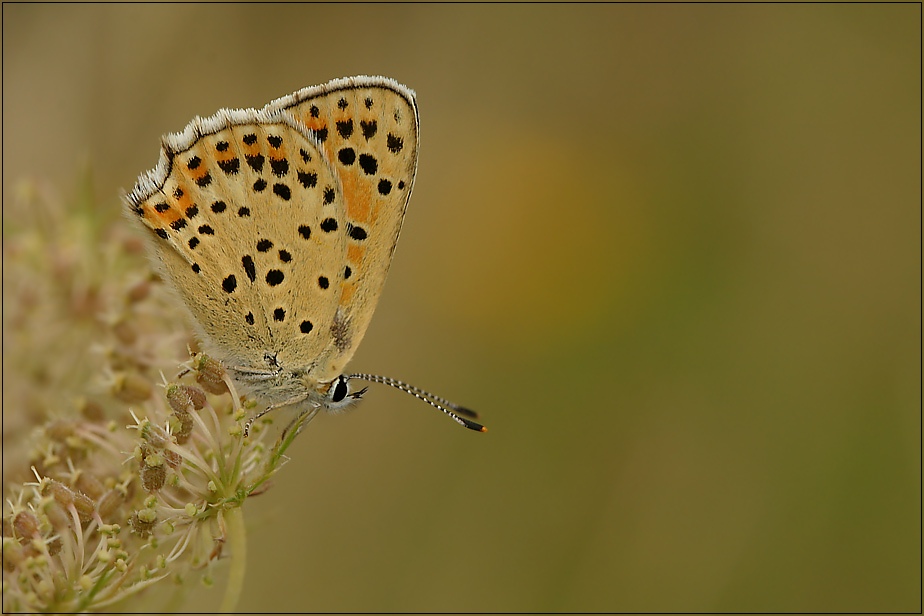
340, 394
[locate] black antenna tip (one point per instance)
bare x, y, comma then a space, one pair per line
471, 425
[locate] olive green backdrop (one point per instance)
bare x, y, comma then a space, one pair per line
671, 253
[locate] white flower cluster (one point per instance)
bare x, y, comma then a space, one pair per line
143, 480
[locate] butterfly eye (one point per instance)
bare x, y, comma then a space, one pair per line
340, 389
340, 396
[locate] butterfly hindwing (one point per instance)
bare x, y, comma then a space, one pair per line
368, 130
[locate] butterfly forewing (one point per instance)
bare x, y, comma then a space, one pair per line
249, 222
368, 129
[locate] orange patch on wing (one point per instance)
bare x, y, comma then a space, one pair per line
283, 151
224, 157
346, 293
312, 123
182, 201
355, 254
167, 218
250, 149
357, 191
196, 176
357, 197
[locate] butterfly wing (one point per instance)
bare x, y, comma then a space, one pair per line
368, 129
247, 221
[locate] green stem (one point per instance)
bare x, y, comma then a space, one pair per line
237, 542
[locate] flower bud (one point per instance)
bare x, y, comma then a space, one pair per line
109, 504
59, 430
153, 435
182, 397
172, 458
125, 332
13, 555
181, 423
88, 484
62, 494
131, 387
84, 506
139, 291
91, 410
143, 522
153, 476
25, 525
210, 374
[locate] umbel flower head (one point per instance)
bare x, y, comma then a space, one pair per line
116, 478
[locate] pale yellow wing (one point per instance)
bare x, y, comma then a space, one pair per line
248, 223
368, 129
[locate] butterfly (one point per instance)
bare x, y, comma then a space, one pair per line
276, 229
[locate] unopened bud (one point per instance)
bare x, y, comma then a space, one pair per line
109, 504
153, 477
139, 291
13, 554
181, 424
143, 522
131, 387
125, 332
84, 506
62, 494
210, 374
88, 484
155, 436
172, 458
59, 430
91, 410
182, 397
25, 525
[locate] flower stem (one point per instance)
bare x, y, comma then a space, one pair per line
237, 541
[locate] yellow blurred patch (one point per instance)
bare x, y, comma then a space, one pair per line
548, 237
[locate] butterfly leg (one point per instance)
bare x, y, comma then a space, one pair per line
293, 400
310, 412
252, 374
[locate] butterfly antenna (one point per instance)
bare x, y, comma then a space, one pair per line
451, 409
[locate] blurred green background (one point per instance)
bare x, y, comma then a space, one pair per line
671, 253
